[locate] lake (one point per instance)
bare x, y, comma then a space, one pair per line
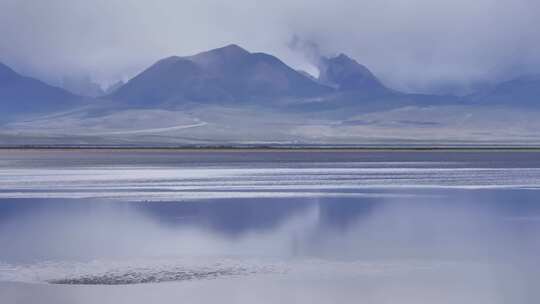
264, 226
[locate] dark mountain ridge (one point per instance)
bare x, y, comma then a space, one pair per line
232, 75
228, 74
22, 96
519, 92
346, 74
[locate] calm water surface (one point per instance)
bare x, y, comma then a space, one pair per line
267, 227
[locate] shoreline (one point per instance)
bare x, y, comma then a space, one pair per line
262, 149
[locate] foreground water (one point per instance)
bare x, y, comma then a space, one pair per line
267, 227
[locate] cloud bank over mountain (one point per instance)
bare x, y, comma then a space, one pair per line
411, 45
231, 96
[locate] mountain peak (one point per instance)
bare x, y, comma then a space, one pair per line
226, 74
231, 54
346, 73
344, 58
228, 51
232, 48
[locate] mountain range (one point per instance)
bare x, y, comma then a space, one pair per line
230, 79
21, 96
228, 74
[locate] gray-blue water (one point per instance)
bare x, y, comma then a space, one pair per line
375, 227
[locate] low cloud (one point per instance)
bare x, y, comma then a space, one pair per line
412, 45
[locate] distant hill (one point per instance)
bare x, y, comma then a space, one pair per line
346, 74
233, 75
230, 95
228, 74
21, 95
519, 92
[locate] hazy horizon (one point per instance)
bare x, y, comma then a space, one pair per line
412, 46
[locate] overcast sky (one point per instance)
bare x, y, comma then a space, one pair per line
413, 45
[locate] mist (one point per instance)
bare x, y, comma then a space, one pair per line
413, 45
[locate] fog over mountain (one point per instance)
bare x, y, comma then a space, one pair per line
23, 96
232, 75
522, 92
420, 46
299, 72
227, 74
346, 74
83, 86
231, 96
